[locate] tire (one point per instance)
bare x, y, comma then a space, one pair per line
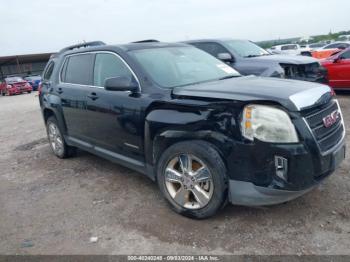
56, 140
3, 93
200, 192
29, 92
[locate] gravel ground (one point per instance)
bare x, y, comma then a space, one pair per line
53, 206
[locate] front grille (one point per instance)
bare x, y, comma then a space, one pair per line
308, 72
326, 137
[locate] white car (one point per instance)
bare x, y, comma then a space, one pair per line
290, 49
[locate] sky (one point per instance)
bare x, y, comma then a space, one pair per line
39, 26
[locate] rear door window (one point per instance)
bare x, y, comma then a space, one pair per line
78, 69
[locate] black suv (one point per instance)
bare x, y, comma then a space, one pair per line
192, 123
250, 59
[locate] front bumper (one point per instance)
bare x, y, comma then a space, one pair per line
13, 91
247, 194
305, 172
309, 72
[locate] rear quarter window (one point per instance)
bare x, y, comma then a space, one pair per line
48, 72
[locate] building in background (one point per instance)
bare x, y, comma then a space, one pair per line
23, 65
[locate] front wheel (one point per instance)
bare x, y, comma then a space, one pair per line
192, 177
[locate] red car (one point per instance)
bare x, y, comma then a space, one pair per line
338, 67
14, 85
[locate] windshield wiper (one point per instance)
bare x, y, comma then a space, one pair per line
227, 77
249, 56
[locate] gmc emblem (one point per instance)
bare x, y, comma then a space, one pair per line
331, 119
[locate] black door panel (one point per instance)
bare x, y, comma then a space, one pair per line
116, 122
74, 104
76, 78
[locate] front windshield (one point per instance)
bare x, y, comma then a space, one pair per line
33, 78
245, 48
178, 66
14, 79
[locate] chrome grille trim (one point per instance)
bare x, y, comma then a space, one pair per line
334, 131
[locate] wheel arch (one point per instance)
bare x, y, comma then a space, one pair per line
168, 138
51, 112
166, 128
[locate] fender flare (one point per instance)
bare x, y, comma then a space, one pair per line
52, 103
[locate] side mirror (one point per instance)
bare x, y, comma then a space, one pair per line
226, 57
120, 83
337, 59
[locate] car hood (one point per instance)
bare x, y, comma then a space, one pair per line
284, 59
292, 94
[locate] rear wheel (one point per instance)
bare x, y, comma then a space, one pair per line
192, 177
56, 139
29, 92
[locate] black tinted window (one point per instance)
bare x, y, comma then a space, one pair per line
78, 69
107, 66
346, 55
48, 71
212, 48
289, 47
337, 45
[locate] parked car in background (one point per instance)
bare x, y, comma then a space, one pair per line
315, 46
250, 59
34, 81
290, 49
338, 67
15, 85
192, 123
329, 50
344, 38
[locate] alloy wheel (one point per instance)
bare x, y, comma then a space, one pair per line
189, 181
55, 139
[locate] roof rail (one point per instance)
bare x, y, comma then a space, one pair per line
82, 45
146, 41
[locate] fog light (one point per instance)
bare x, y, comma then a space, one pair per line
281, 166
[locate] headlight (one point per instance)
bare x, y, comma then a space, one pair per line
9, 86
268, 124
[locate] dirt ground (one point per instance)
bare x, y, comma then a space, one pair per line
53, 206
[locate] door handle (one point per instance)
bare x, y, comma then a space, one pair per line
60, 91
93, 96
